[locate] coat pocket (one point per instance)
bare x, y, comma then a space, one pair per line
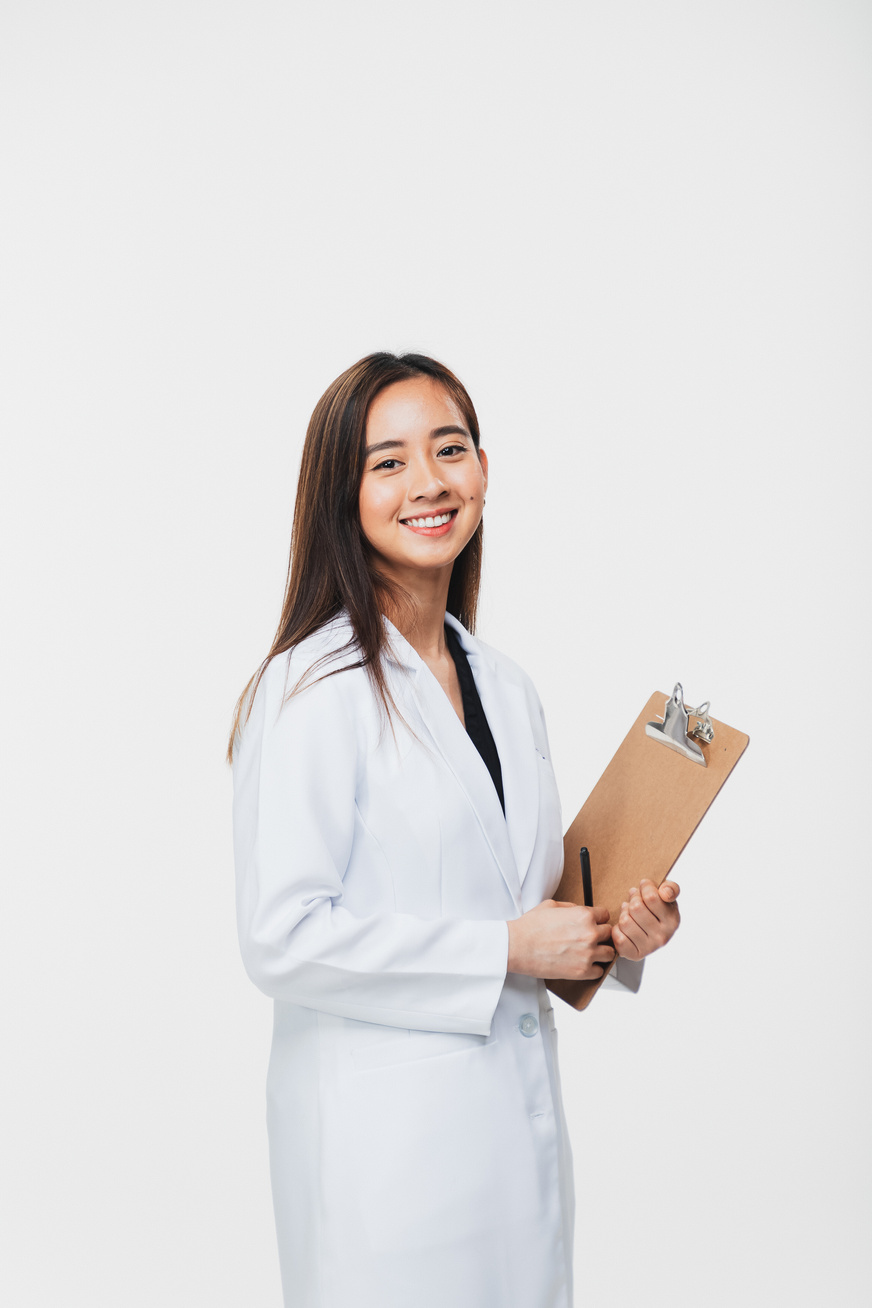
405, 1046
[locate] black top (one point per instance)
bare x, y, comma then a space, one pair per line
476, 723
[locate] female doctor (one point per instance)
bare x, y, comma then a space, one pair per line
398, 837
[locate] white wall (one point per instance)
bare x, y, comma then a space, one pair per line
639, 232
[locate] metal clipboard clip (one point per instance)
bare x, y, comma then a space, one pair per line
672, 731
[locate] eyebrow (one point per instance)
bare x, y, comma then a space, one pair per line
435, 435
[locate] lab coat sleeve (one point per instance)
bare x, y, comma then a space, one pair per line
294, 781
625, 975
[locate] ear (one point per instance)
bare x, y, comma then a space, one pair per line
482, 458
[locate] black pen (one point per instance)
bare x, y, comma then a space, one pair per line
586, 883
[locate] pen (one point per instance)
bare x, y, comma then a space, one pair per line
586, 884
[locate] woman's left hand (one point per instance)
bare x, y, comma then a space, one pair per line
648, 920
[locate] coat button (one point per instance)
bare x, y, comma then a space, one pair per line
528, 1026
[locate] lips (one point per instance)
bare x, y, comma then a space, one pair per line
431, 524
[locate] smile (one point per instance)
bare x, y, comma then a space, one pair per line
435, 524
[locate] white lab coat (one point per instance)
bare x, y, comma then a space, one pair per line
418, 1148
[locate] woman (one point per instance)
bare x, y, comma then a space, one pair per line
397, 837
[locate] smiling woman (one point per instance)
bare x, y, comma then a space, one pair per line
393, 885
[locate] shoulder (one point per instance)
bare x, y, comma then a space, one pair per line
494, 660
330, 648
507, 670
306, 714
503, 665
316, 674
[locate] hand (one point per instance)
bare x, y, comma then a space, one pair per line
648, 920
560, 941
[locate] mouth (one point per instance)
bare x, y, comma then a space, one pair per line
431, 524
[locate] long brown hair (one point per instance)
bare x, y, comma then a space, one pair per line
331, 567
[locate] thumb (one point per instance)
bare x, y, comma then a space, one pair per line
669, 891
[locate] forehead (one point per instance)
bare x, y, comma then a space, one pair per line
411, 408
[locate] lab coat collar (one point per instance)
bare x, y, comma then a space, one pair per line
399, 650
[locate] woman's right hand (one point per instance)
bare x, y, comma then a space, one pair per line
561, 941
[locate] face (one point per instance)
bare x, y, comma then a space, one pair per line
423, 483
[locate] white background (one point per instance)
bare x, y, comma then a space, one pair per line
639, 232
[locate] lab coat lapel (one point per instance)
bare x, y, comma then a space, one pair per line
505, 705
451, 739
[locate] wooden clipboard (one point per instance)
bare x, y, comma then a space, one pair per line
639, 817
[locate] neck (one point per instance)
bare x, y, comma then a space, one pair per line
422, 620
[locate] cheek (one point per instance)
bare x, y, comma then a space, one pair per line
474, 490
376, 505
466, 483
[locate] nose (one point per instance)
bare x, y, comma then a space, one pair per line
427, 484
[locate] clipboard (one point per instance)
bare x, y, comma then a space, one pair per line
645, 808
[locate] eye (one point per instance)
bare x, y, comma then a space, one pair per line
453, 449
386, 463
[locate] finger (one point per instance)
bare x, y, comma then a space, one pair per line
641, 914
670, 890
652, 913
623, 944
603, 954
651, 898
666, 913
657, 927
596, 970
633, 929
600, 913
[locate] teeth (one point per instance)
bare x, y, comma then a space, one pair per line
437, 521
